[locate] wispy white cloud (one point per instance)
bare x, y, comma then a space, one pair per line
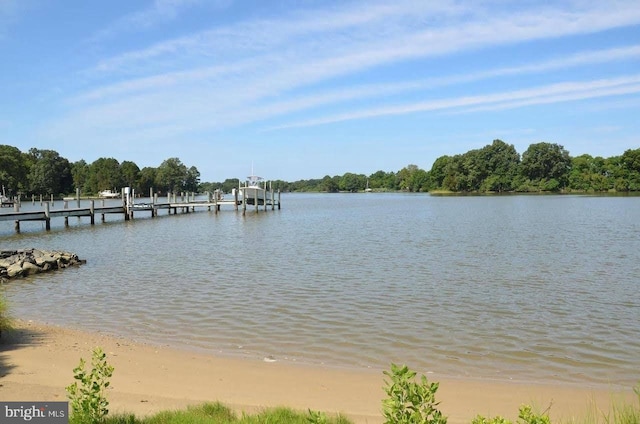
291, 53
278, 68
554, 93
159, 12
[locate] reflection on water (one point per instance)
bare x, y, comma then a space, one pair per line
514, 287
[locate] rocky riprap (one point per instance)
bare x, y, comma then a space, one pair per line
20, 263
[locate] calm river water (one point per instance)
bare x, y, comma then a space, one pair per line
532, 288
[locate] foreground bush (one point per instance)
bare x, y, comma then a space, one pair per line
408, 401
89, 404
5, 321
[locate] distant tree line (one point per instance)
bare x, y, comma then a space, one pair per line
46, 172
497, 167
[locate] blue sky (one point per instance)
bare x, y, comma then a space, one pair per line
305, 88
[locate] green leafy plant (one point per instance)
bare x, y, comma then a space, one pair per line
317, 417
5, 320
408, 401
89, 404
526, 415
495, 420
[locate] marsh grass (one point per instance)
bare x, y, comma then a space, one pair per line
217, 413
619, 413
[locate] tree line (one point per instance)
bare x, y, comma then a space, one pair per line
496, 167
46, 172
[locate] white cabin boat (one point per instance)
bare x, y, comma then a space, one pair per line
254, 190
108, 194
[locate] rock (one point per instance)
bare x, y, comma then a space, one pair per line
14, 270
16, 263
30, 268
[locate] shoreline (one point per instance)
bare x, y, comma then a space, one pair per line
37, 360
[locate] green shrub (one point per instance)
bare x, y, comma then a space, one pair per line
5, 320
525, 416
89, 404
410, 402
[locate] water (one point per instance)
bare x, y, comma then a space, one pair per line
527, 288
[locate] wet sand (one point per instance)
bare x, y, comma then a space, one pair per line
36, 363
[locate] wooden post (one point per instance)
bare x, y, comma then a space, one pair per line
273, 206
235, 198
66, 221
47, 219
17, 226
41, 200
125, 207
33, 199
78, 197
65, 204
244, 201
278, 199
92, 212
16, 207
154, 211
52, 200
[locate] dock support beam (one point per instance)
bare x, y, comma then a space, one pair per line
47, 219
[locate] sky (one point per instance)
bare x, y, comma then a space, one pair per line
300, 89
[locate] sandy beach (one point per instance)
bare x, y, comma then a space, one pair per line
36, 363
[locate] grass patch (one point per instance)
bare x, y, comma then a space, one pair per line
619, 413
217, 413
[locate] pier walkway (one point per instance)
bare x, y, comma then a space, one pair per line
129, 208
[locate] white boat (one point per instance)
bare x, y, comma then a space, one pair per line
254, 190
4, 200
108, 194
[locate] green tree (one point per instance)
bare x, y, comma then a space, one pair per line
352, 182
146, 179
631, 163
329, 185
502, 166
192, 179
543, 162
382, 180
439, 171
13, 169
412, 178
631, 160
171, 176
50, 173
130, 174
80, 174
229, 184
104, 174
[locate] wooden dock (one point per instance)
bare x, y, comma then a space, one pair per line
129, 208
